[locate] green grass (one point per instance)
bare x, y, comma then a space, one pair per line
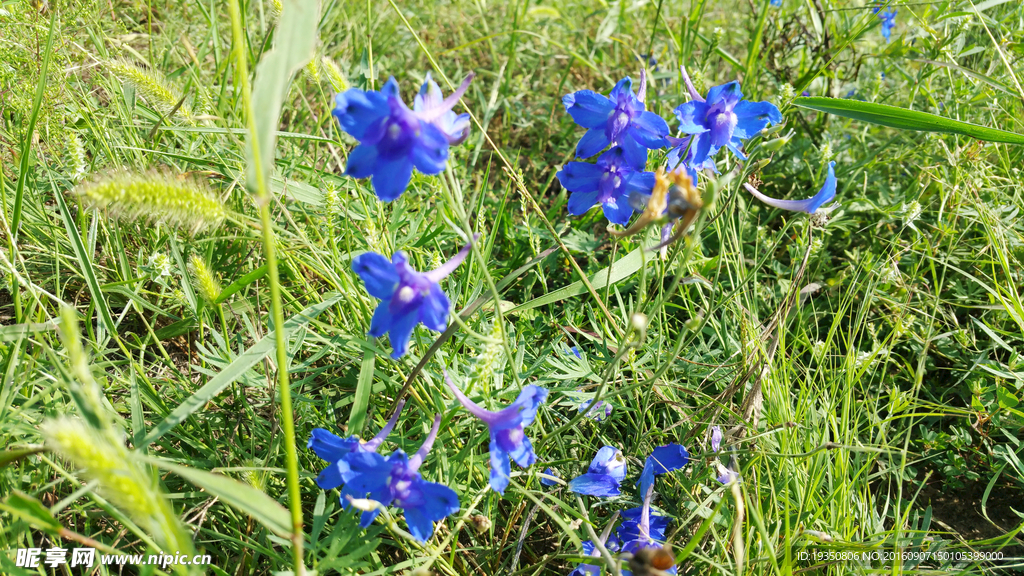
867, 372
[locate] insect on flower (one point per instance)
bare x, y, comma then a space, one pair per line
647, 557
407, 297
508, 438
393, 139
672, 202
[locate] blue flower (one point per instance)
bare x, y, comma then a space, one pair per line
775, 3
430, 103
810, 205
663, 459
395, 480
393, 139
608, 182
684, 154
728, 474
629, 529
607, 470
646, 537
407, 297
333, 448
576, 352
618, 119
888, 22
423, 502
506, 430
724, 119
547, 481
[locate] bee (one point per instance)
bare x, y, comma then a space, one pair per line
652, 561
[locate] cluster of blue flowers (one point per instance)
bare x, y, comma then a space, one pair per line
640, 529
723, 119
393, 141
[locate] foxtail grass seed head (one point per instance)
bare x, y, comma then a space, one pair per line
492, 359
276, 7
204, 279
312, 70
127, 483
185, 203
152, 86
77, 151
334, 75
787, 92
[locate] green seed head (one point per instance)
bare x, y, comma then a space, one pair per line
186, 204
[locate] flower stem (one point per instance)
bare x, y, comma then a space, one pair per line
269, 247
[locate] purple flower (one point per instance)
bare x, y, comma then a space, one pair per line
805, 93
716, 438
430, 103
607, 470
506, 430
618, 119
608, 182
663, 459
810, 205
576, 352
599, 412
724, 119
393, 139
407, 297
645, 539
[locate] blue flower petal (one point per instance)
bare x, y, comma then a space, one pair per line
501, 469
430, 152
367, 518
633, 152
827, 192
579, 177
609, 461
382, 319
377, 273
523, 452
726, 95
592, 142
617, 210
529, 400
329, 446
752, 117
588, 108
330, 477
434, 309
361, 161
623, 87
390, 179
595, 485
691, 116
651, 130
546, 481
358, 111
639, 182
400, 331
580, 202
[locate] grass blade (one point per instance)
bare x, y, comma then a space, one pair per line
893, 117
234, 371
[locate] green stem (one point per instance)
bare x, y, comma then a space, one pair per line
277, 314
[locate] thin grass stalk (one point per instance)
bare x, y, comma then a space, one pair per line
280, 341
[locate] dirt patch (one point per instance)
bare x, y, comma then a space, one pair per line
961, 509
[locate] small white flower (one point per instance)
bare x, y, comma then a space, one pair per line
161, 263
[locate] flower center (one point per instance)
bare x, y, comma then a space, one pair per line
406, 294
394, 131
515, 435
